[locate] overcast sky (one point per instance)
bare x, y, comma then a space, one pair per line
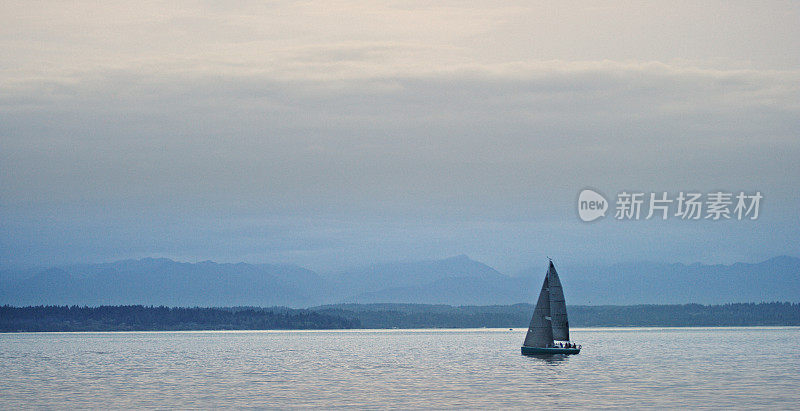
338, 133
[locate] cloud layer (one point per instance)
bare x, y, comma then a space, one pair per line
349, 132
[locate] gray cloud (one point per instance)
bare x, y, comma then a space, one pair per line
255, 134
283, 134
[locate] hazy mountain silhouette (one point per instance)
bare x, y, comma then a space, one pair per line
384, 277
51, 286
455, 291
776, 279
167, 282
456, 281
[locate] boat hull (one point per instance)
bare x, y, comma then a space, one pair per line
548, 351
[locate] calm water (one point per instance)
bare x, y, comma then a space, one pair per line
643, 367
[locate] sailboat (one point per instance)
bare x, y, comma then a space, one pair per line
548, 332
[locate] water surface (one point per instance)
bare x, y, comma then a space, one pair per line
618, 367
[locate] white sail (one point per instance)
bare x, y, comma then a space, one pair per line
558, 307
540, 332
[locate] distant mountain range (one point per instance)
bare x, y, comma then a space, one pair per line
454, 281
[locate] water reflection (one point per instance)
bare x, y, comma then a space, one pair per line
550, 359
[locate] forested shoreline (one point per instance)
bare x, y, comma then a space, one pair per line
373, 316
144, 318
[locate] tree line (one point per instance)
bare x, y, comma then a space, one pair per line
519, 315
149, 318
342, 316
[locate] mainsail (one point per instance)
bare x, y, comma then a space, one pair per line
549, 321
558, 307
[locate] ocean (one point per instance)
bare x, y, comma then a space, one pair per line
748, 367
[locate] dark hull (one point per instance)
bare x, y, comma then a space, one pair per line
548, 351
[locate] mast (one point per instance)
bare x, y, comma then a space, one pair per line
540, 332
558, 306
